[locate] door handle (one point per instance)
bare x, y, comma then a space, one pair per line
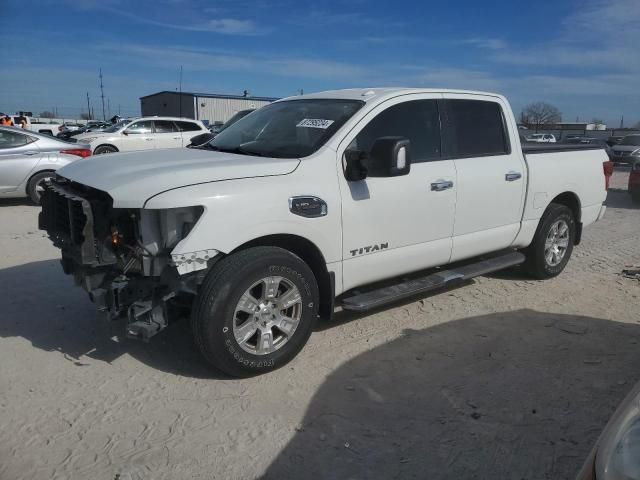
440, 185
30, 152
176, 138
512, 176
149, 139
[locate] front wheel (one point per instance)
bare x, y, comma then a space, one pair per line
552, 244
255, 311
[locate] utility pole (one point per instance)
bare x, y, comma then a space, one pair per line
622, 121
180, 93
104, 116
88, 106
109, 107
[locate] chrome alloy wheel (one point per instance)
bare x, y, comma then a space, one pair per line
267, 315
557, 242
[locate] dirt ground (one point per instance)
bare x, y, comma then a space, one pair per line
502, 378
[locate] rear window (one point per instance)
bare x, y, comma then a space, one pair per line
188, 126
476, 128
164, 126
9, 139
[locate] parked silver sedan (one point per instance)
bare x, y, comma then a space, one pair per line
28, 159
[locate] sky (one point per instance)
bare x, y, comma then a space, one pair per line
581, 56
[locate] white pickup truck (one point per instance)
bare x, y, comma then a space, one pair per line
302, 205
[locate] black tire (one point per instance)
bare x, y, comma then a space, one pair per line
105, 149
537, 263
213, 315
34, 185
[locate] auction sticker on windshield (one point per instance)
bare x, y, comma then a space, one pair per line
315, 123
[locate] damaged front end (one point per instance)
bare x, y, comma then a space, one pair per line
123, 257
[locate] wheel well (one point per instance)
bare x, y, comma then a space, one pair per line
571, 200
26, 185
311, 255
105, 145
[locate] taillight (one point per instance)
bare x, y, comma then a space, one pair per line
607, 167
80, 152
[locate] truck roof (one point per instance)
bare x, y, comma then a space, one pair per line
368, 94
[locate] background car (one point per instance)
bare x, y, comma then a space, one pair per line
203, 138
28, 159
611, 141
592, 141
218, 127
627, 150
89, 127
634, 182
542, 138
144, 133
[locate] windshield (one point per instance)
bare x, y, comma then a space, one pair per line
114, 128
290, 129
633, 140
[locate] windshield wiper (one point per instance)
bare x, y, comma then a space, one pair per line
239, 150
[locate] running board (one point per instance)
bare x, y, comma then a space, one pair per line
446, 278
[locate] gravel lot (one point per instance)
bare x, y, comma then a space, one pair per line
502, 378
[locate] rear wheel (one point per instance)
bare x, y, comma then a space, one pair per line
552, 244
36, 186
104, 149
255, 311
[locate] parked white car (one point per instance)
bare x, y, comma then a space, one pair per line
305, 203
35, 126
542, 138
145, 133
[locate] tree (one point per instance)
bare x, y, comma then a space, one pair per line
540, 113
85, 116
47, 114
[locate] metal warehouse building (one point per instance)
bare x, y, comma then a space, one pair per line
211, 108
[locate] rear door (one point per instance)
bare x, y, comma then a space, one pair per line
395, 225
18, 156
138, 136
491, 176
166, 134
188, 130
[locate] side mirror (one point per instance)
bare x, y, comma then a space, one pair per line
390, 157
355, 168
124, 132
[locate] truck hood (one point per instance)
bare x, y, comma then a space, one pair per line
131, 178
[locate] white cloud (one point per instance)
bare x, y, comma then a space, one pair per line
486, 43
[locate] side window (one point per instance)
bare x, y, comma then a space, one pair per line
476, 128
164, 126
143, 126
416, 120
188, 126
13, 139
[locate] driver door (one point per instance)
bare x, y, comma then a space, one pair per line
396, 225
138, 136
18, 156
